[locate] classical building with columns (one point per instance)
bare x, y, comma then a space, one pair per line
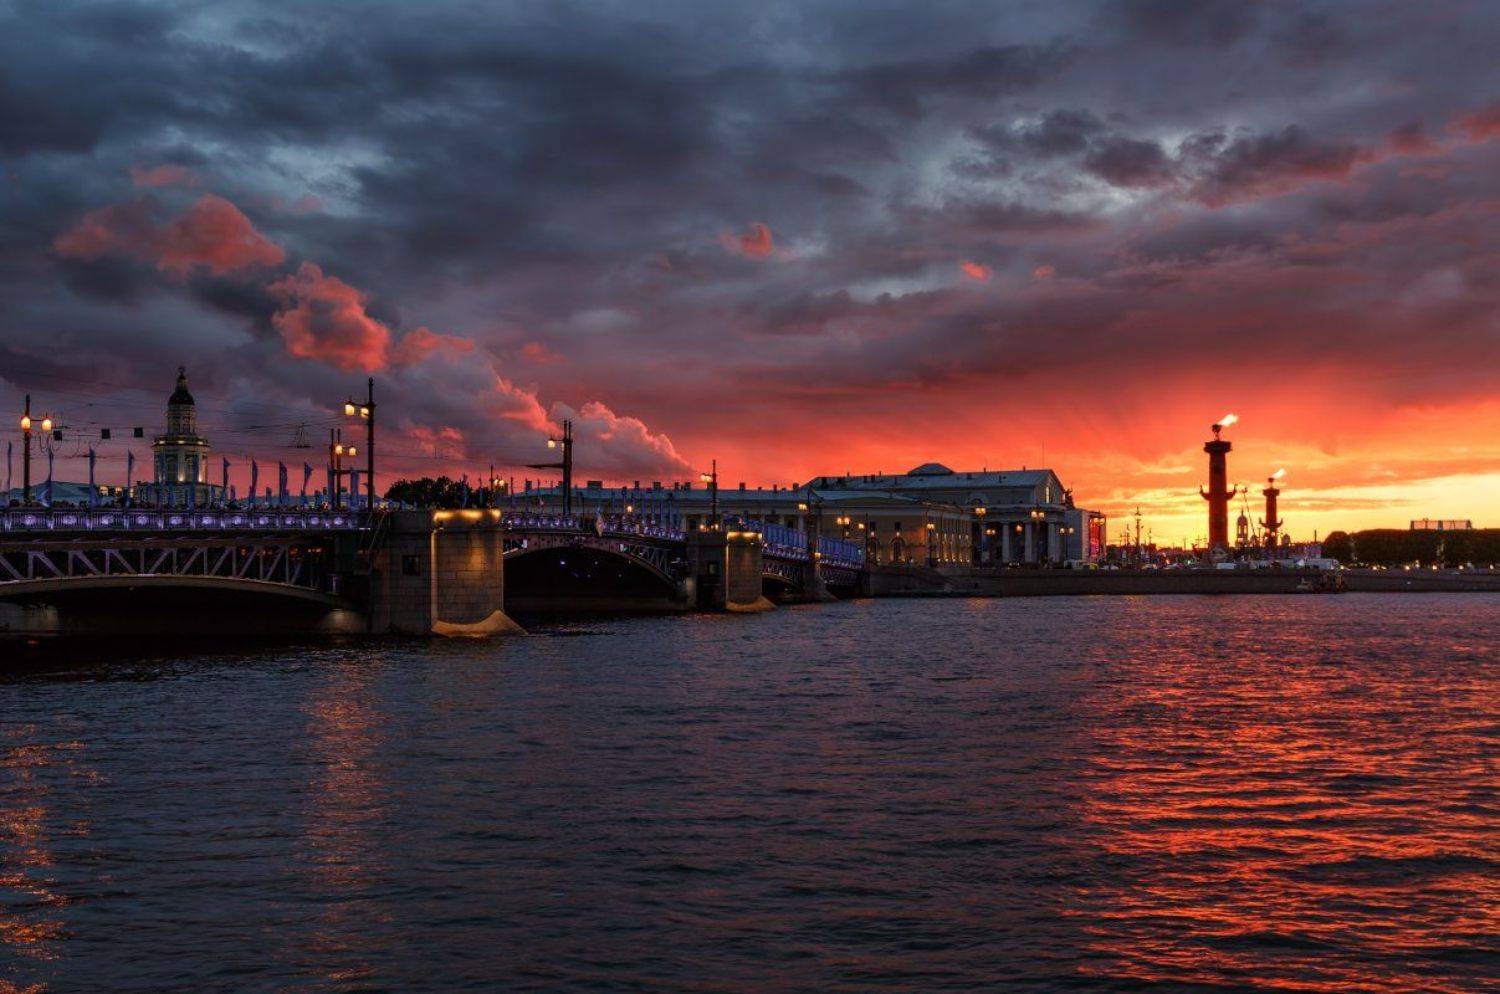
1015, 516
929, 516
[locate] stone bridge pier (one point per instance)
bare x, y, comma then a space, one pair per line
439, 573
727, 568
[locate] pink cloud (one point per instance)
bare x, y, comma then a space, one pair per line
757, 244
213, 234
145, 177
975, 271
619, 446
1044, 272
1482, 123
418, 345
538, 353
324, 318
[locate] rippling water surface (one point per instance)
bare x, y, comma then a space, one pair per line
1092, 794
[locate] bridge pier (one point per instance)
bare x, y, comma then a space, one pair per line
440, 573
726, 569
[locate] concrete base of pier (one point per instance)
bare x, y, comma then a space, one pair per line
440, 573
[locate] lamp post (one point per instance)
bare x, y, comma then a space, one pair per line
812, 509
337, 450
566, 465
712, 479
984, 545
26, 427
366, 413
1037, 517
931, 539
843, 521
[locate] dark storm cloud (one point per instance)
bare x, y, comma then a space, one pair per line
575, 181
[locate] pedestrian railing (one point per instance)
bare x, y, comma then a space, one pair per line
33, 519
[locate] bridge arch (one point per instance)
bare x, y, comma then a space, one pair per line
566, 578
70, 586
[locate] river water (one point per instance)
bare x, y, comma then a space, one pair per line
1070, 794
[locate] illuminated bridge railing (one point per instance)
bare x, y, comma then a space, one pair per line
789, 543
841, 552
612, 525
131, 520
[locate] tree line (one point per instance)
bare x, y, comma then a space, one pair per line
1395, 546
442, 492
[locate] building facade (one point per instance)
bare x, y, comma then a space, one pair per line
929, 516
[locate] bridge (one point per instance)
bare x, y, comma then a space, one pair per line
458, 571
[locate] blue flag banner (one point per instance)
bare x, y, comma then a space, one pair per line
254, 480
354, 490
93, 491
47, 491
129, 470
306, 476
280, 483
224, 476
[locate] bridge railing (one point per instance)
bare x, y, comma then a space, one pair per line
789, 543
41, 519
841, 552
621, 525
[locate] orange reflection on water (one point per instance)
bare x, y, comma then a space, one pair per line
343, 734
31, 922
1256, 816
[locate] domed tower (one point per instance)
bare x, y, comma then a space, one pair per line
181, 454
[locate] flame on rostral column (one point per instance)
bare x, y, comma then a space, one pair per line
1227, 420
1278, 474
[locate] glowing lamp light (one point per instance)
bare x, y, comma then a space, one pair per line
349, 407
551, 443
25, 422
46, 424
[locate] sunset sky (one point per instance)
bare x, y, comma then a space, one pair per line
800, 238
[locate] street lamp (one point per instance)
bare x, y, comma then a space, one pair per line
931, 539
843, 522
712, 479
26, 427
337, 450
366, 413
566, 465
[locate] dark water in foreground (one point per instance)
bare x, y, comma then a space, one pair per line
1184, 794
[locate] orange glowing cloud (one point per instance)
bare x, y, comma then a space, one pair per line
757, 244
975, 271
212, 234
324, 318
1044, 272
